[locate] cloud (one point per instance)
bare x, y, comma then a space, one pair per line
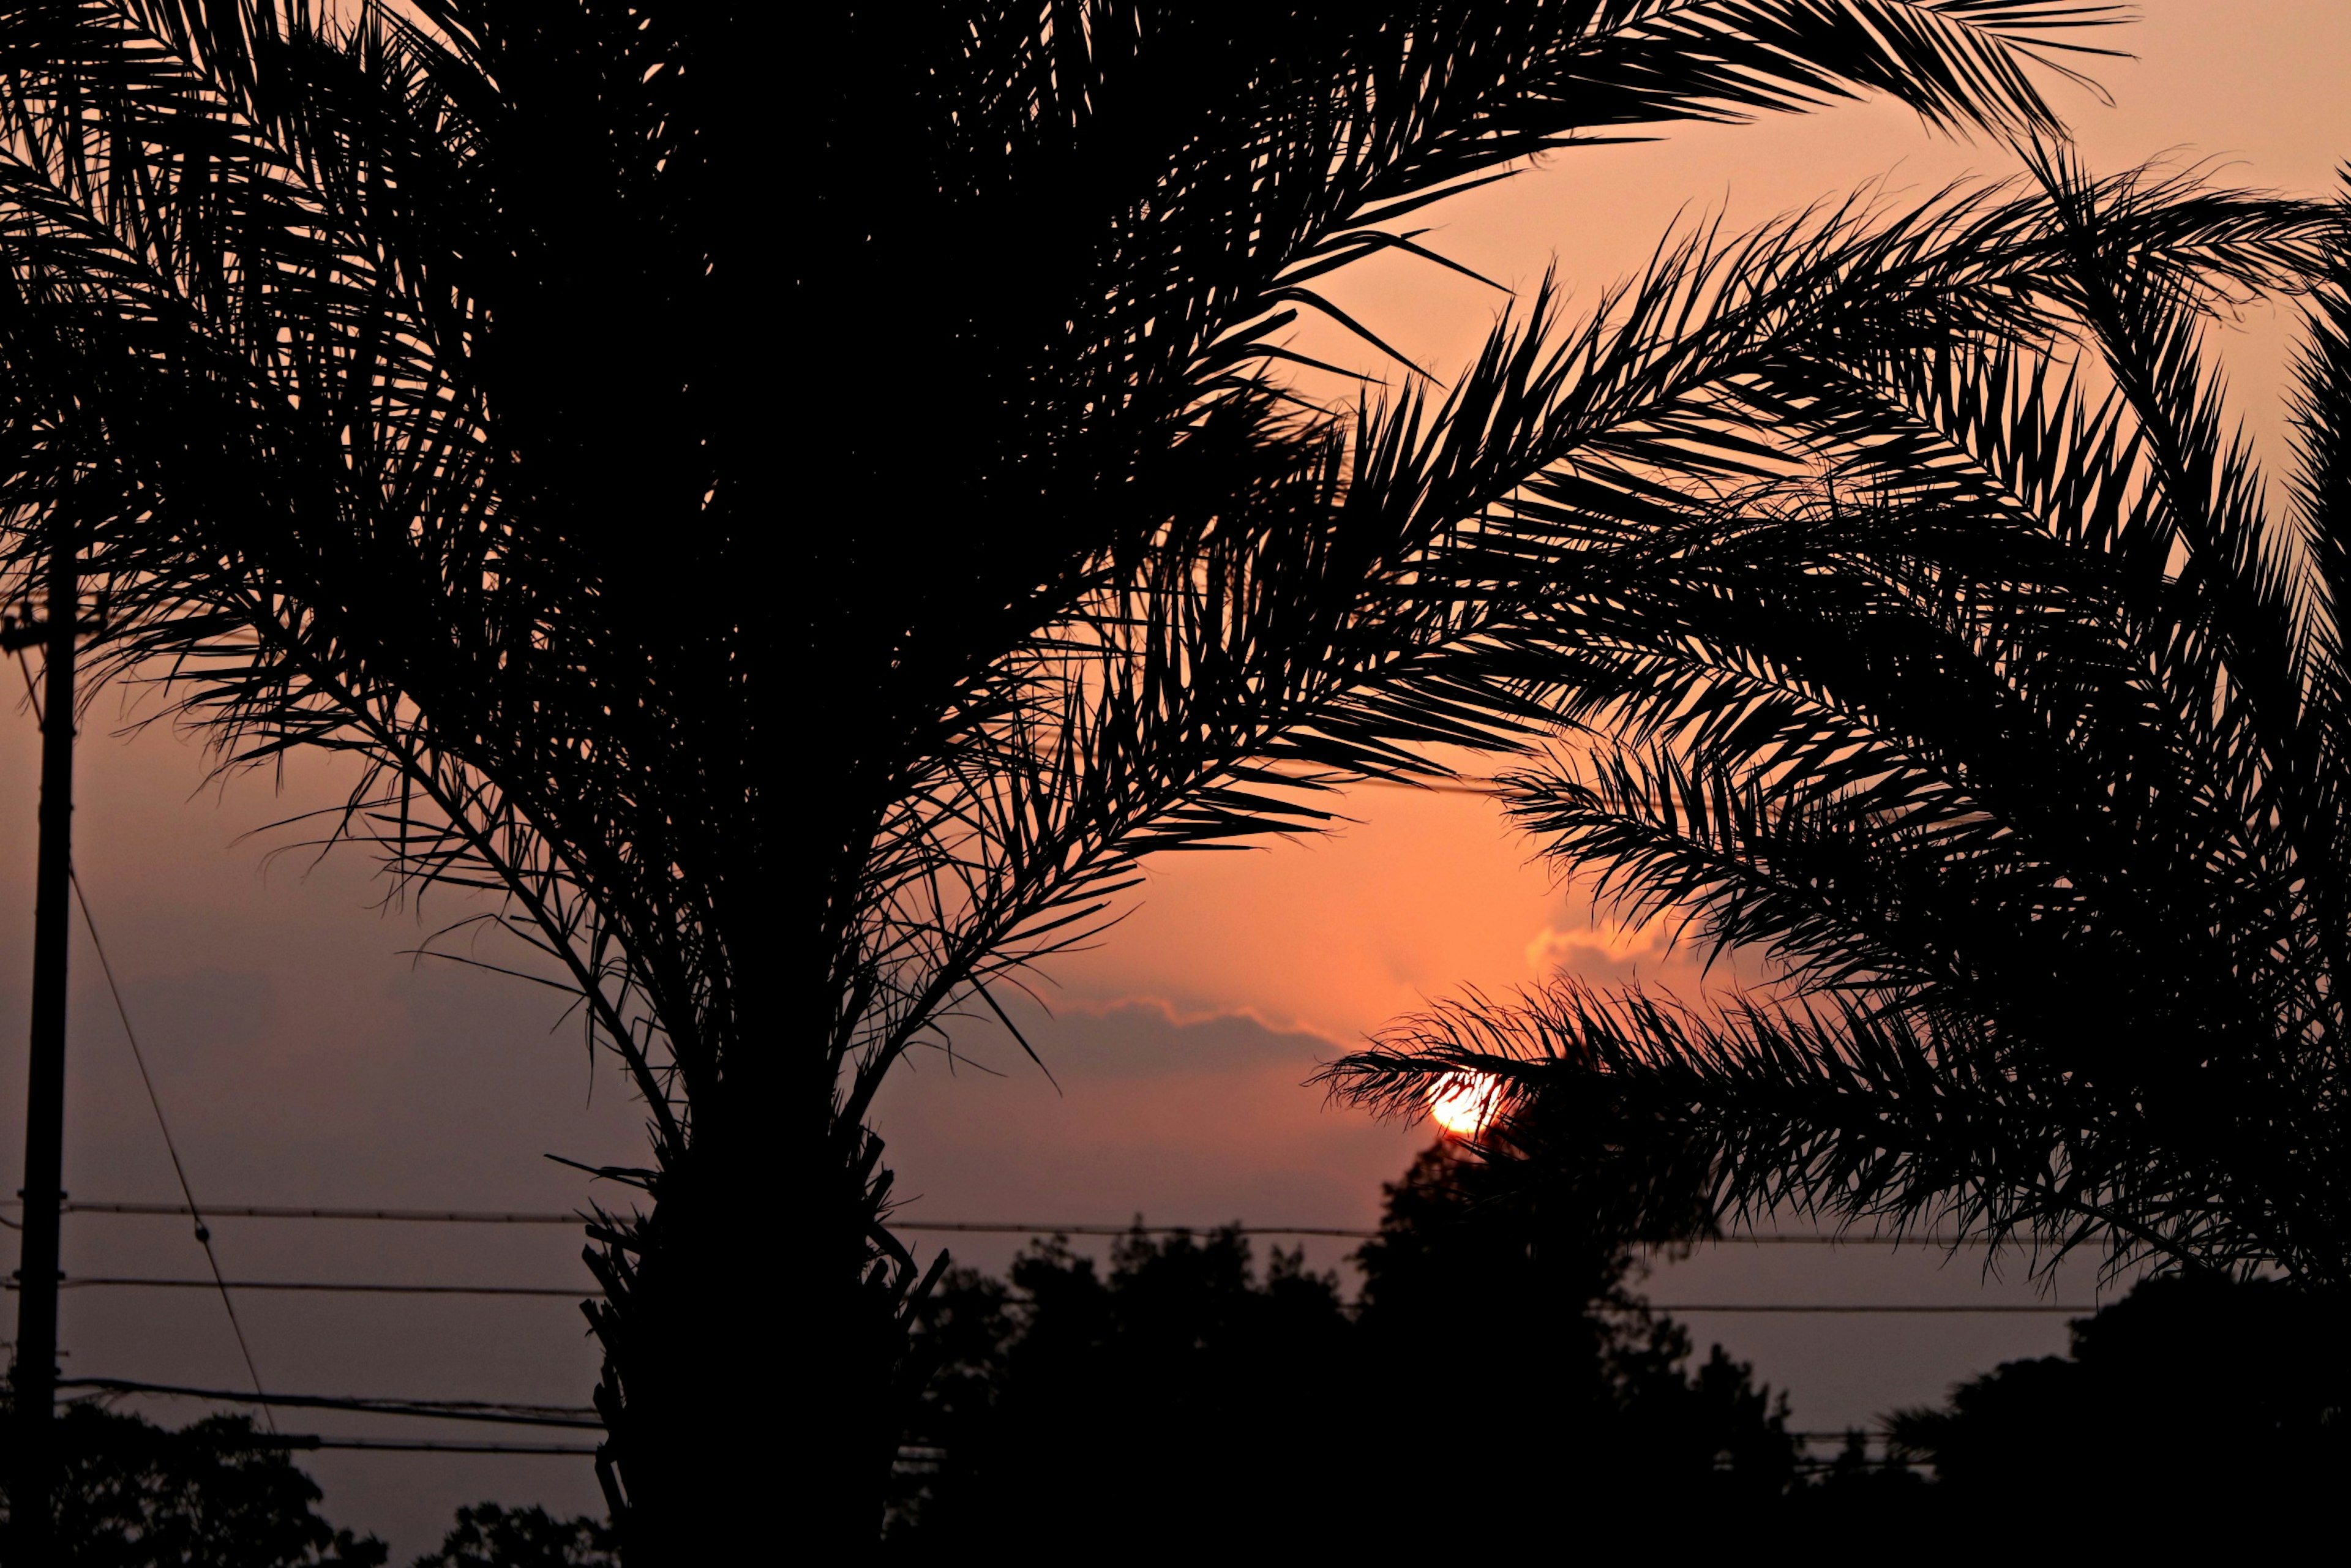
1606, 949
1184, 1117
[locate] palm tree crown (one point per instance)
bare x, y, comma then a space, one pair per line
466, 385
2011, 718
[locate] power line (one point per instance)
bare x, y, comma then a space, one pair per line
1830, 1238
574, 1417
268, 1211
204, 1233
1841, 1307
964, 1226
574, 1293
282, 1211
990, 1227
145, 1282
1767, 1238
415, 1446
1823, 1309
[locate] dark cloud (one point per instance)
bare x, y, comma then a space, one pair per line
1196, 1120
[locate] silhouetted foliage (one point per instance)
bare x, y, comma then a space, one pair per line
2194, 1390
1158, 600
488, 1535
2196, 1410
1178, 1386
1501, 1307
386, 361
1507, 1367
418, 377
132, 1494
2004, 710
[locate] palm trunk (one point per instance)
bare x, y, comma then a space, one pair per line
753, 1393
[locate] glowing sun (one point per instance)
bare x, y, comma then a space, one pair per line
1463, 1103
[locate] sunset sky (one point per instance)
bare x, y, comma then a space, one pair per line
304, 1057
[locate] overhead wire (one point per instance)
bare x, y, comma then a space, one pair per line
260, 1396
988, 1226
497, 1413
364, 1287
1841, 1307
290, 1211
1766, 1237
1007, 1228
330, 1286
1817, 1309
202, 1232
428, 1446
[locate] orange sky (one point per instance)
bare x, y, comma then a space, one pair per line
1182, 1039
305, 1059
1427, 892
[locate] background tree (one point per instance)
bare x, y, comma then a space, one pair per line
2011, 722
1499, 1380
219, 1494
1179, 1396
393, 369
2222, 1398
487, 1535
1547, 1401
216, 1494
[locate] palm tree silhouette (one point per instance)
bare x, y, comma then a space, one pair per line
1160, 602
472, 389
2009, 721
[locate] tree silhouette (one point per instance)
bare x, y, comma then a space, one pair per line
1173, 601
1500, 1317
406, 374
366, 351
1497, 1356
487, 1535
215, 1494
1180, 1388
2012, 726
2226, 1397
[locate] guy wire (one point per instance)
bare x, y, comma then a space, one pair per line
171, 1146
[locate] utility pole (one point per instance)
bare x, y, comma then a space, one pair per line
35, 1377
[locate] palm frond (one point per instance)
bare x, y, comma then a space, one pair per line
1994, 710
414, 376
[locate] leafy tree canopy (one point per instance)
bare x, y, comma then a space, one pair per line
1511, 1370
488, 1535
219, 1494
216, 1494
2192, 1385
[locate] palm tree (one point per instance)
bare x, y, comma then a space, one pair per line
2011, 721
1168, 600
418, 381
